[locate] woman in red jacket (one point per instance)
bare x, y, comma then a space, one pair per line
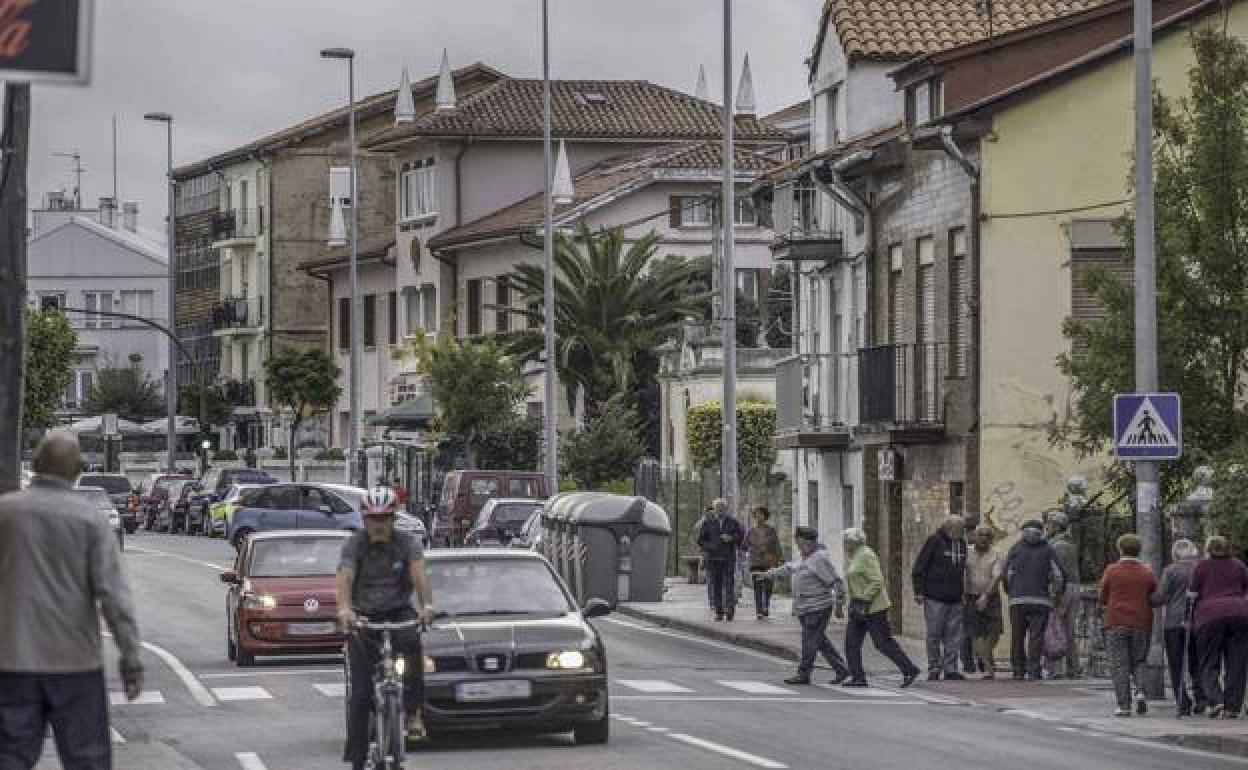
1220, 622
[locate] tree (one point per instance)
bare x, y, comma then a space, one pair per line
513, 442
609, 447
756, 436
216, 406
475, 385
128, 392
50, 342
1200, 150
304, 381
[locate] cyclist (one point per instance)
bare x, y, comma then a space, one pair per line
378, 573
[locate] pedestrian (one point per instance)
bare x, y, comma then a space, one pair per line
939, 576
720, 536
1220, 623
1180, 644
1066, 604
1125, 590
982, 610
1033, 576
868, 612
60, 569
764, 553
818, 593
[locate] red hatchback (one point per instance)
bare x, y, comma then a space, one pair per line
282, 599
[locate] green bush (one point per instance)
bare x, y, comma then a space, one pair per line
333, 453
225, 455
756, 436
608, 447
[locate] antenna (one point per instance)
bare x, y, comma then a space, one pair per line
114, 157
76, 157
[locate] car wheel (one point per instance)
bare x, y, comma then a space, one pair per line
593, 733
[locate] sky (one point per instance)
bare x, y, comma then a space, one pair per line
230, 71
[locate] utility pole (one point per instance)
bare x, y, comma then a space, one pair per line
728, 282
1147, 491
14, 144
549, 415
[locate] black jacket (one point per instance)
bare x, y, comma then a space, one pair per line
940, 570
712, 544
1033, 571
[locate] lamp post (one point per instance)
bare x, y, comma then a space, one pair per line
171, 378
728, 282
353, 430
550, 463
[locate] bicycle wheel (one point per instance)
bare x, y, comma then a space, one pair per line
391, 739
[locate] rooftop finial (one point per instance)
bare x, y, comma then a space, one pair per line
404, 106
745, 93
446, 86
701, 91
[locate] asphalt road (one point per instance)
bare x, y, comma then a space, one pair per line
677, 702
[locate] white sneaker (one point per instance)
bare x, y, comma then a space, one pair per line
1122, 712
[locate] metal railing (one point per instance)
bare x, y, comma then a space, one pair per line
808, 393
238, 313
903, 384
240, 392
238, 223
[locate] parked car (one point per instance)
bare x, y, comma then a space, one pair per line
465, 492
152, 494
510, 648
120, 491
102, 500
217, 481
220, 513
530, 535
282, 596
403, 521
501, 520
292, 506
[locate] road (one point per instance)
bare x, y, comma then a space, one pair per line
677, 702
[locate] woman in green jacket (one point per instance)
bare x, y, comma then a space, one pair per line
868, 612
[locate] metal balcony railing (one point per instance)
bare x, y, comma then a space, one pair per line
238, 313
903, 385
808, 393
240, 392
238, 223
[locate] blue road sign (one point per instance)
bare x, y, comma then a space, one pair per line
1148, 426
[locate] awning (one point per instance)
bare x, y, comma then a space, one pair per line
416, 412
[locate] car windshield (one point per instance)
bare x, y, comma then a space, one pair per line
495, 587
97, 496
295, 557
512, 516
114, 485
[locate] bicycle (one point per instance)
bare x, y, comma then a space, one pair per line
387, 730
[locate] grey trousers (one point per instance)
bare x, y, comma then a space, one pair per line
944, 635
1127, 649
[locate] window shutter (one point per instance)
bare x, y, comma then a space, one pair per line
394, 318
674, 203
344, 323
1084, 305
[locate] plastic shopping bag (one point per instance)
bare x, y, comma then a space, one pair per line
1055, 641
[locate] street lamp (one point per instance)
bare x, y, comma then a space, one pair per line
171, 379
353, 430
551, 459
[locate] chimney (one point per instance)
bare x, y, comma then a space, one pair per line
130, 216
108, 211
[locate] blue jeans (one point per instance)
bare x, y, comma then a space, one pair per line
75, 705
720, 580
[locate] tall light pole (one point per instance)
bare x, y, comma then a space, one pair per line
728, 282
551, 456
353, 430
171, 378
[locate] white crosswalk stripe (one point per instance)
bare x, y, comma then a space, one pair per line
241, 693
652, 686
332, 689
757, 688
146, 698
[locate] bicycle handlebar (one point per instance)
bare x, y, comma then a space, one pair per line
366, 625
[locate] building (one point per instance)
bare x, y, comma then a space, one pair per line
100, 260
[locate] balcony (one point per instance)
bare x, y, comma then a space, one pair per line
237, 227
801, 236
235, 314
902, 389
809, 409
240, 393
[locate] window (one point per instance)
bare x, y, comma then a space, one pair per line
244, 360
416, 190
85, 383
315, 499
370, 320
924, 102
51, 301
137, 303
831, 116
411, 307
473, 310
429, 307
747, 284
926, 248
502, 303
959, 299
98, 300
847, 504
744, 214
691, 211
534, 320
482, 489
523, 488
392, 319
812, 502
344, 323
896, 313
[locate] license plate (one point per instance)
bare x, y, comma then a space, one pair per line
504, 689
310, 629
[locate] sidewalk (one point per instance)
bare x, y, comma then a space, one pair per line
1085, 705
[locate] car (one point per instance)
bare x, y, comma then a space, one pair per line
120, 491
217, 481
221, 513
465, 492
152, 497
293, 506
175, 494
102, 500
501, 520
531, 533
403, 521
282, 596
510, 649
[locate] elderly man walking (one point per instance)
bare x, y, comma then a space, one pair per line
939, 573
868, 612
720, 537
60, 567
1172, 595
1033, 576
817, 592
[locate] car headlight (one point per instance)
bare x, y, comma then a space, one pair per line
566, 659
400, 665
259, 601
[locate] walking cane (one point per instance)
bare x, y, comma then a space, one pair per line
1187, 641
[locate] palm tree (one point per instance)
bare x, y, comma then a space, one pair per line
610, 311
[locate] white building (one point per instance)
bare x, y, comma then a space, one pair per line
100, 260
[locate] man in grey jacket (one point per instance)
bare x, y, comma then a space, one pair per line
818, 591
60, 567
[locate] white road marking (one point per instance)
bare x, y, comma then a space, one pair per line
198, 691
1030, 715
332, 689
146, 698
727, 751
863, 692
116, 736
651, 685
658, 729
760, 699
241, 693
179, 557
757, 688
282, 672
250, 761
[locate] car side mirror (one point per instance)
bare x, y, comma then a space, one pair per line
596, 608
229, 576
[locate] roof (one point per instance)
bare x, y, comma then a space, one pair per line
583, 109
418, 410
803, 165
794, 113
286, 534
602, 180
897, 30
137, 242
374, 249
365, 108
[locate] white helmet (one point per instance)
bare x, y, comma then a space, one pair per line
380, 501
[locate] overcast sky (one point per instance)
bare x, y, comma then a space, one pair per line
232, 70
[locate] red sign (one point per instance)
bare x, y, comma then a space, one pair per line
47, 41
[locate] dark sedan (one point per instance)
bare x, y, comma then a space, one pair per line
510, 649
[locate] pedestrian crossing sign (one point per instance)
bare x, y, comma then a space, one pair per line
1148, 426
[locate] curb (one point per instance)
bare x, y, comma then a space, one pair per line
741, 640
